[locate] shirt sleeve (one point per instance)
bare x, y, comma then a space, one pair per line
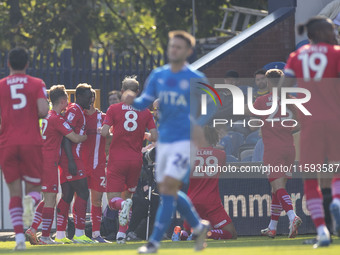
63, 127
72, 117
42, 93
109, 116
149, 93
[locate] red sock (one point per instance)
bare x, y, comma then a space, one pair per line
16, 211
116, 203
218, 234
284, 199
36, 196
314, 201
336, 187
96, 217
276, 208
47, 220
37, 216
62, 215
79, 212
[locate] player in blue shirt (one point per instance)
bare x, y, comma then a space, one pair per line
174, 85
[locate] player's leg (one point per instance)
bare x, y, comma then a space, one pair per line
279, 187
335, 205
96, 215
32, 170
16, 211
80, 187
223, 227
276, 209
47, 217
63, 208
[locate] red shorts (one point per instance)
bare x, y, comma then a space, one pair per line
214, 213
65, 176
277, 157
22, 162
123, 175
318, 141
50, 176
96, 178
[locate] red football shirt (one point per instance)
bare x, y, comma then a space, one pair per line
18, 108
203, 186
316, 66
274, 134
93, 149
128, 133
76, 118
54, 128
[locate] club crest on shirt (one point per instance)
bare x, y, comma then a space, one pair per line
70, 116
184, 84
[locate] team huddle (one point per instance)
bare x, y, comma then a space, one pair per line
72, 138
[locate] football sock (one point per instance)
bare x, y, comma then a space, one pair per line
275, 208
61, 234
164, 213
336, 188
16, 211
47, 220
188, 211
79, 212
36, 196
314, 201
273, 224
284, 199
38, 215
96, 217
218, 234
62, 215
79, 232
116, 203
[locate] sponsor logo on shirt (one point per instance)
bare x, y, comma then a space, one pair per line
67, 126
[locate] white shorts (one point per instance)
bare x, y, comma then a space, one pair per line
173, 159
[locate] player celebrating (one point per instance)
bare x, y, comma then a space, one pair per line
171, 84
72, 171
279, 150
312, 64
94, 158
54, 127
203, 188
125, 157
22, 102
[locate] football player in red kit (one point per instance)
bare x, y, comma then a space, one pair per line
73, 177
22, 102
203, 188
94, 158
125, 157
279, 150
54, 127
315, 66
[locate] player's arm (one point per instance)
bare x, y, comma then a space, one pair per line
153, 135
75, 138
43, 107
67, 145
105, 131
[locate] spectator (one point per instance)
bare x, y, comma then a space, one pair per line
114, 97
261, 83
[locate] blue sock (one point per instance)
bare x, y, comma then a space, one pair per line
187, 210
165, 211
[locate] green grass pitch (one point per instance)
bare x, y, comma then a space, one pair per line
243, 245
